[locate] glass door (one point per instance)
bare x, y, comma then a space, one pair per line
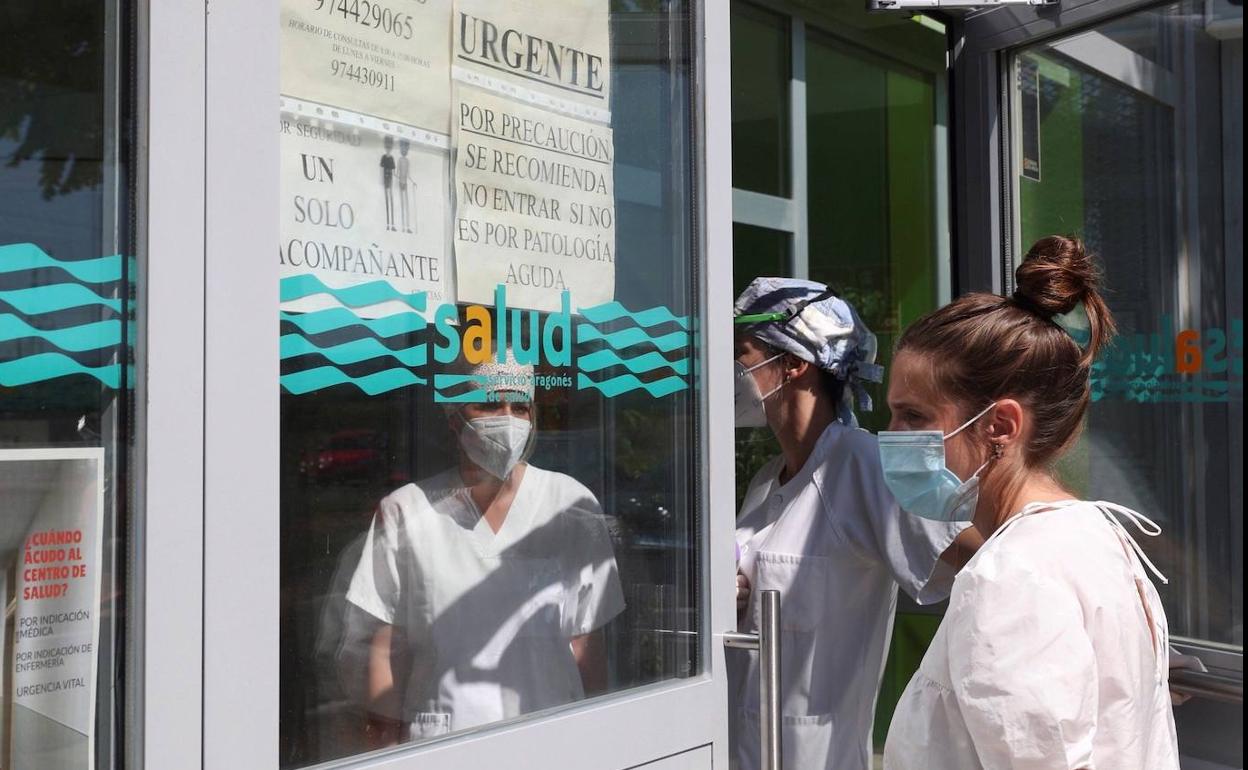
68, 297
1121, 122
1121, 142
1129, 134
479, 373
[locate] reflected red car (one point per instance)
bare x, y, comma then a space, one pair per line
349, 455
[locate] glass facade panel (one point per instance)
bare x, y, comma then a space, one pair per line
759, 251
872, 163
756, 251
1139, 152
468, 541
67, 383
760, 101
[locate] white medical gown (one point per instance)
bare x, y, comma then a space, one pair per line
834, 543
1053, 654
488, 616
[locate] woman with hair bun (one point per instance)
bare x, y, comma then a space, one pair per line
1053, 652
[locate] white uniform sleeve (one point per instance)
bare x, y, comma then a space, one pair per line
909, 546
595, 595
1023, 668
375, 586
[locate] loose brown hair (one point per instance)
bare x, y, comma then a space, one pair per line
985, 347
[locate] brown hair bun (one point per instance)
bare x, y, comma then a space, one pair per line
1057, 274
984, 347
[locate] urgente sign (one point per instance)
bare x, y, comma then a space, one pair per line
528, 55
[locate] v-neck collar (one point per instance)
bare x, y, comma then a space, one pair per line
788, 490
806, 473
486, 541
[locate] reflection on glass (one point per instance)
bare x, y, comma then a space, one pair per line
760, 101
66, 382
481, 592
1165, 433
421, 596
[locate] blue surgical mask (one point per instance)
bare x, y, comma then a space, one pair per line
916, 474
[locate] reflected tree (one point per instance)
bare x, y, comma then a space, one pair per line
52, 91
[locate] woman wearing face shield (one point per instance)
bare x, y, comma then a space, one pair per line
1053, 652
486, 585
818, 524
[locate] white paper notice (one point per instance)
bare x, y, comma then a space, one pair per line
390, 59
360, 207
554, 51
56, 622
535, 203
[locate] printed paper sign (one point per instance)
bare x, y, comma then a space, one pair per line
535, 203
361, 207
387, 58
57, 592
560, 50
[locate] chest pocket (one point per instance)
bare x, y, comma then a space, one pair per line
803, 585
536, 596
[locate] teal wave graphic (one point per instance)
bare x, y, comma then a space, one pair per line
323, 377
627, 338
49, 366
626, 382
467, 397
28, 256
603, 359
472, 396
451, 380
352, 352
305, 285
645, 318
320, 321
92, 336
60, 296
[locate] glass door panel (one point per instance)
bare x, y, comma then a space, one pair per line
1120, 137
491, 505
67, 382
872, 165
761, 124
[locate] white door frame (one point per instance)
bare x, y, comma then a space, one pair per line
164, 716
211, 641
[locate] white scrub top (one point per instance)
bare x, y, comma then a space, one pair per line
488, 616
834, 543
1053, 654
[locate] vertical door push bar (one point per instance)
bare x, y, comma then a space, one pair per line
767, 642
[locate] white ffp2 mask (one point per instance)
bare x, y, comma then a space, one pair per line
497, 443
748, 399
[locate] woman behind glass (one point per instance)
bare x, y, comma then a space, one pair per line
484, 587
1053, 652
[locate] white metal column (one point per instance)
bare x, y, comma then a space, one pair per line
797, 145
167, 601
717, 353
241, 512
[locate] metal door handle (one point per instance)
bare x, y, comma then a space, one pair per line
767, 642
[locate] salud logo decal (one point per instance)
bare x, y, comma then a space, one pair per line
617, 350
1188, 366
